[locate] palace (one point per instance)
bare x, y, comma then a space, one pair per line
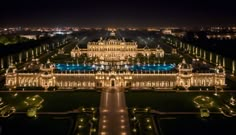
115, 50
102, 74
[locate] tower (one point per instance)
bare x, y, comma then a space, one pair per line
184, 74
220, 76
11, 76
47, 78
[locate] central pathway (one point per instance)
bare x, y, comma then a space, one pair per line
113, 113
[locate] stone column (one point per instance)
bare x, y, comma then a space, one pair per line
44, 47
1, 62
200, 53
204, 55
196, 53
223, 61
12, 60
194, 50
210, 57
233, 67
32, 51
190, 49
8, 60
27, 55
217, 59
20, 57
40, 50
36, 51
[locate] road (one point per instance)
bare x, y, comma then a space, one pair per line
113, 113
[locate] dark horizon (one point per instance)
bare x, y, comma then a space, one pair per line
148, 13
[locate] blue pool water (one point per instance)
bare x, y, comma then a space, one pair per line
74, 67
82, 67
157, 67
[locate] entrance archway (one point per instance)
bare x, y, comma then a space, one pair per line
112, 83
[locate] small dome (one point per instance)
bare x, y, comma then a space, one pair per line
76, 48
158, 47
220, 69
11, 68
47, 66
146, 47
112, 36
184, 65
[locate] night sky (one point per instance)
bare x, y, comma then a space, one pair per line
117, 13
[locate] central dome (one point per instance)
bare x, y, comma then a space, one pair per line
112, 34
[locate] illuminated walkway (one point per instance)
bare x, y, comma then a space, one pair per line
113, 113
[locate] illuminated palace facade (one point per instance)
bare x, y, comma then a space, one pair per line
115, 50
99, 75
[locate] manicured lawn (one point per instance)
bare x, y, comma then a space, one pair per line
57, 101
45, 124
165, 101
